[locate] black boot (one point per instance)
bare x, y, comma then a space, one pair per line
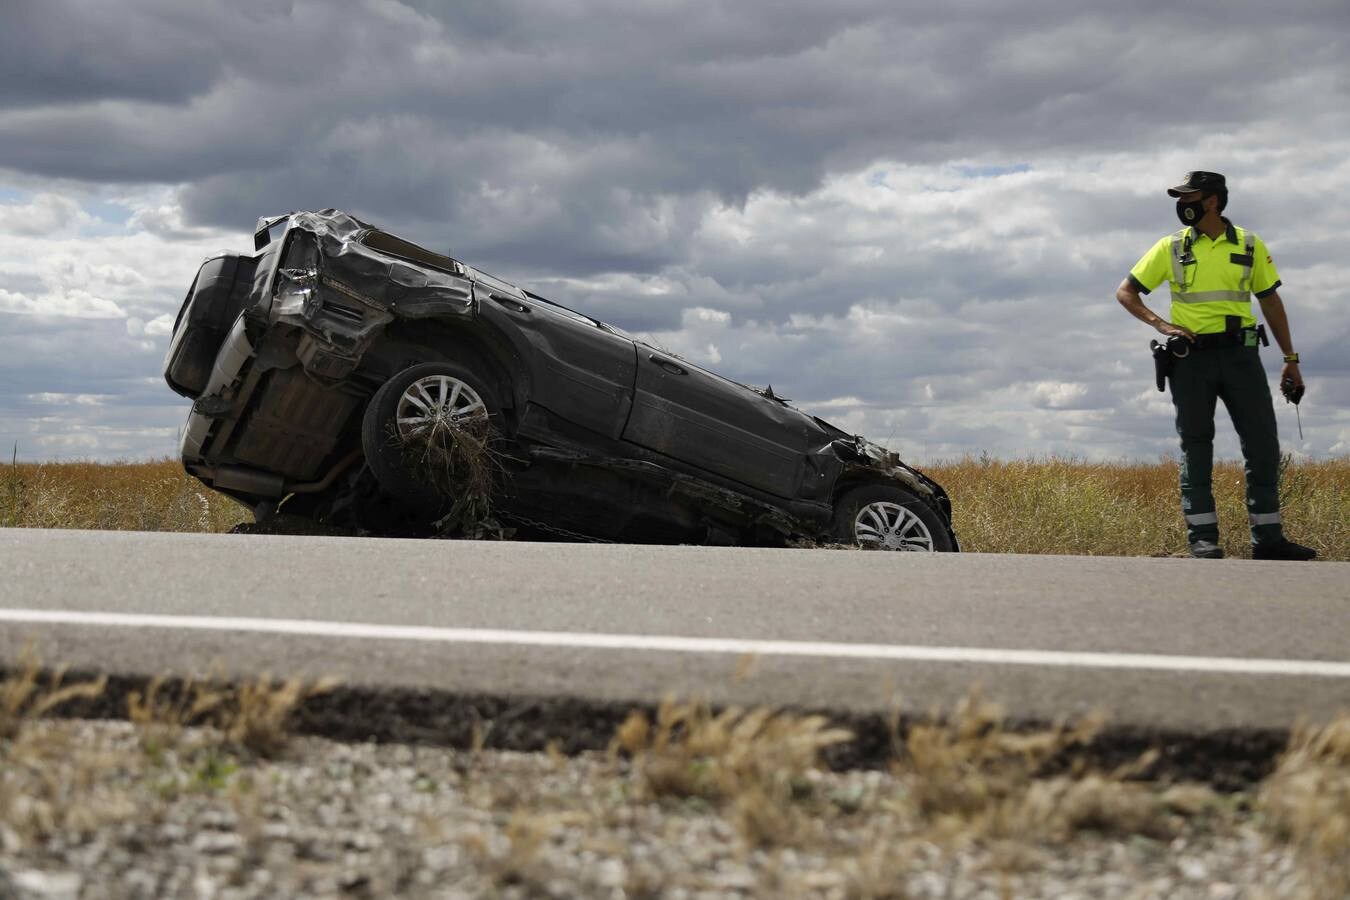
1203, 549
1283, 549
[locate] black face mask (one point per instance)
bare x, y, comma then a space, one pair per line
1190, 213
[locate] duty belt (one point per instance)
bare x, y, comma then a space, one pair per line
1165, 356
1242, 337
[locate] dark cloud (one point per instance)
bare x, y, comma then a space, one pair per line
77, 52
535, 133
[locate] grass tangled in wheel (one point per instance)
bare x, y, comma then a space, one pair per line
458, 463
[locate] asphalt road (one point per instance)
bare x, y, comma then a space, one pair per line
1166, 643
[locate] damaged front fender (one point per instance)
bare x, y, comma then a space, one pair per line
863, 456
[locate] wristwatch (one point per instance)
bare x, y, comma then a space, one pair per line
1291, 357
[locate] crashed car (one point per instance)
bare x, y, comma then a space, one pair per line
315, 362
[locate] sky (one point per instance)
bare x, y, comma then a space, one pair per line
909, 218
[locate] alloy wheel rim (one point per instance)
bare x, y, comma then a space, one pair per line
883, 525
437, 400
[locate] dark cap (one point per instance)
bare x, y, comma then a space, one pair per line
1198, 181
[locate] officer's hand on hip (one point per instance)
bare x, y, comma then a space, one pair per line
1170, 330
1290, 372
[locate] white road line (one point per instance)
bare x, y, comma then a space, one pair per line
673, 644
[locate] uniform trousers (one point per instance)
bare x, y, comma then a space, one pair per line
1236, 376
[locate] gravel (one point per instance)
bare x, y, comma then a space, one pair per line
94, 809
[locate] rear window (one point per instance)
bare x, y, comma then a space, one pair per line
387, 243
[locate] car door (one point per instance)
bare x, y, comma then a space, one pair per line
579, 370
705, 420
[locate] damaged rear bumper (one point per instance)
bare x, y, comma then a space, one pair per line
325, 290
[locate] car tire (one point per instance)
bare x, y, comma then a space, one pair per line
887, 517
379, 427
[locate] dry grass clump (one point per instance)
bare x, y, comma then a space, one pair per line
754, 762
127, 496
33, 801
971, 778
969, 765
51, 786
514, 857
253, 715
1057, 809
1058, 505
24, 696
258, 718
1307, 803
460, 463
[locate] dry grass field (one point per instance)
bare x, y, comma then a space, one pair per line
1021, 506
1130, 509
131, 496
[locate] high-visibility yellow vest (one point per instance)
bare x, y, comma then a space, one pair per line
1198, 309
1210, 279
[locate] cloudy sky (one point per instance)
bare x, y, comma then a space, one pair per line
910, 218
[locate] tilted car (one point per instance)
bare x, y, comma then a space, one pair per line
316, 360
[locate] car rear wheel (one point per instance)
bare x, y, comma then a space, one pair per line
887, 517
431, 400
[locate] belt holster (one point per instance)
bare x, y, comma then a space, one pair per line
1162, 364
1165, 356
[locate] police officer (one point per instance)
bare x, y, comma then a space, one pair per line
1214, 267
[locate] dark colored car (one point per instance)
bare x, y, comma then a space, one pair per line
318, 360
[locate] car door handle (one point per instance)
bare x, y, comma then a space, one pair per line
510, 303
668, 365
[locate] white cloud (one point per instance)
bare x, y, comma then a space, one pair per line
73, 303
1059, 394
129, 273
44, 214
51, 399
160, 326
843, 403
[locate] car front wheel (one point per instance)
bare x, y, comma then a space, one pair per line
887, 517
431, 402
